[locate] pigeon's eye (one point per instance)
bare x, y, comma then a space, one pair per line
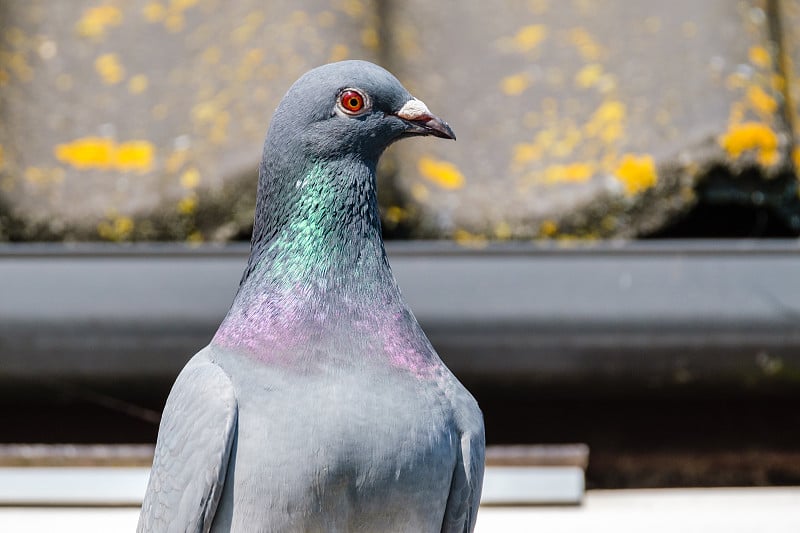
351, 101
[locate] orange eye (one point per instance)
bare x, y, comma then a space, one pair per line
351, 101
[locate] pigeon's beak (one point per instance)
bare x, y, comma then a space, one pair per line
422, 122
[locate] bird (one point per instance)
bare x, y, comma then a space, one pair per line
320, 405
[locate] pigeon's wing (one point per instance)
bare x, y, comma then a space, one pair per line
465, 487
191, 457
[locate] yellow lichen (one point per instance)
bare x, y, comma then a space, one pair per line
195, 237
736, 80
133, 155
420, 192
246, 32
751, 136
188, 205
182, 5
609, 223
109, 68
407, 41
204, 112
759, 56
339, 52
796, 158
737, 112
154, 12
219, 128
550, 108
502, 231
763, 103
607, 122
298, 17
102, 153
548, 228
171, 15
325, 19
570, 173
778, 82
89, 152
558, 141
468, 239
526, 152
18, 65
570, 138
529, 37
369, 38
15, 37
174, 22
96, 20
212, 55
609, 161
589, 75
394, 215
190, 178
637, 173
43, 176
117, 229
176, 160
515, 84
138, 84
442, 173
250, 61
583, 41
546, 138
354, 8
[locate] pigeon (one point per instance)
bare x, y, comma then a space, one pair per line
320, 405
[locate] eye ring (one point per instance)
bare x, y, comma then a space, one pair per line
352, 101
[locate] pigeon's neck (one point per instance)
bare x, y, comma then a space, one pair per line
318, 274
319, 227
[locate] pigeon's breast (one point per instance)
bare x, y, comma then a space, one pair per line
368, 448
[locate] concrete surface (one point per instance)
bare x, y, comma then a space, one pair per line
125, 486
655, 511
587, 119
789, 60
144, 119
81, 485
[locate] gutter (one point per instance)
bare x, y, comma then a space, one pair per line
611, 315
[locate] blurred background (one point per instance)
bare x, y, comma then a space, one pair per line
608, 255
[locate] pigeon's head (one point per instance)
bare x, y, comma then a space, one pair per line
350, 108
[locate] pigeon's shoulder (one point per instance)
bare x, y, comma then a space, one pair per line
465, 410
191, 456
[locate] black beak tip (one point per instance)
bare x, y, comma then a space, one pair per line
439, 128
446, 131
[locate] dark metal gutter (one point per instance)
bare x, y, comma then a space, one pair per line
643, 314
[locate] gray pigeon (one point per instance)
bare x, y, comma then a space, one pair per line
320, 405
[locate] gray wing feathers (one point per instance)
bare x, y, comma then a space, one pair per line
465, 488
192, 452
